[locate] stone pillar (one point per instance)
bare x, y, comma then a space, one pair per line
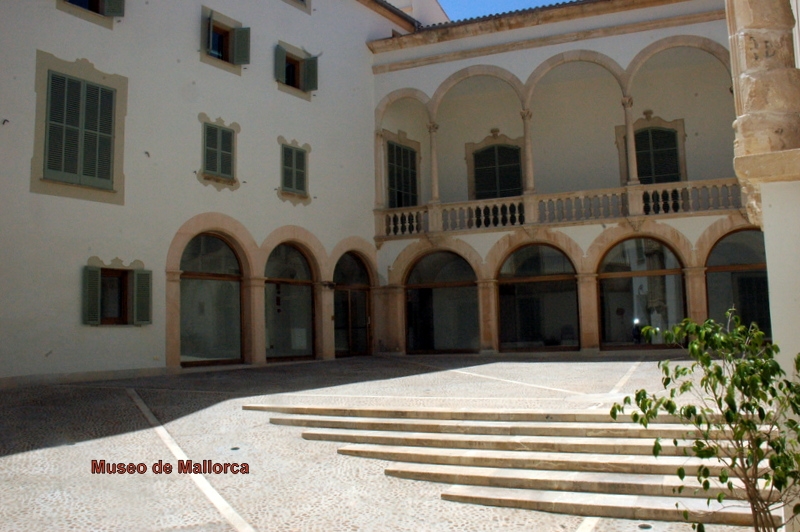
380, 170
588, 305
389, 324
255, 348
696, 294
173, 319
527, 170
487, 314
432, 129
325, 340
630, 141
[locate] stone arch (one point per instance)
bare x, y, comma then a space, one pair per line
399, 94
507, 245
690, 41
666, 234
716, 232
304, 240
410, 255
365, 251
588, 56
476, 70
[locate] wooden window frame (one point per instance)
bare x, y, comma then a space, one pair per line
220, 132
495, 139
295, 70
401, 139
235, 49
292, 168
134, 299
651, 122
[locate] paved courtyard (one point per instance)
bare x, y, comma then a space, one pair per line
51, 434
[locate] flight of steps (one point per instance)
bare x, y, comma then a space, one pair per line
578, 463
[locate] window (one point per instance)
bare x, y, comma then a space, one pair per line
227, 43
108, 8
657, 155
402, 173
116, 297
498, 172
294, 169
80, 132
295, 68
218, 160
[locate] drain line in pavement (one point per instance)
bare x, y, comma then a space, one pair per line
625, 377
227, 511
588, 524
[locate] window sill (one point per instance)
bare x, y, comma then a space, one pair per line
220, 63
294, 91
302, 5
295, 198
85, 14
218, 182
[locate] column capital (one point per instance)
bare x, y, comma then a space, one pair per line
627, 102
174, 275
526, 114
433, 127
379, 134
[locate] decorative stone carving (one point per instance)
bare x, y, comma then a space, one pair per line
751, 199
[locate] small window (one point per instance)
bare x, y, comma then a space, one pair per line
657, 157
402, 173
219, 151
79, 144
116, 297
294, 169
108, 8
498, 172
295, 68
225, 40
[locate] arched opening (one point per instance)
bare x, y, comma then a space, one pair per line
351, 308
288, 304
736, 277
442, 305
538, 300
641, 283
211, 315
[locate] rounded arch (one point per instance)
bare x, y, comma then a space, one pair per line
399, 94
507, 245
716, 232
410, 256
472, 71
308, 244
669, 236
676, 41
588, 56
358, 246
231, 230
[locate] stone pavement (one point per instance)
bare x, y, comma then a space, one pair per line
51, 434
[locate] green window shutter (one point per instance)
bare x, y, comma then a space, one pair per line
142, 297
288, 168
210, 32
309, 75
98, 112
62, 160
91, 295
280, 63
300, 170
113, 8
226, 153
240, 46
211, 163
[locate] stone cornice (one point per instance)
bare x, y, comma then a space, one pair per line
391, 13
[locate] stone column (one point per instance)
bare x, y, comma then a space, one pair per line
432, 129
527, 170
173, 319
588, 305
255, 348
325, 341
487, 314
389, 324
380, 170
630, 141
696, 295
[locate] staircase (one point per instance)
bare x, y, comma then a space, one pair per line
578, 463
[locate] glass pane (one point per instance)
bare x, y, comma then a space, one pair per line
486, 158
111, 297
538, 315
639, 254
744, 247
442, 319
745, 291
359, 321
532, 261
210, 320
630, 303
350, 271
341, 320
209, 254
441, 267
286, 262
289, 320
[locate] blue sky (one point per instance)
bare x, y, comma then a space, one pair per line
461, 9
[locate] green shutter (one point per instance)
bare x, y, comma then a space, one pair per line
226, 153
62, 160
240, 46
211, 162
142, 297
113, 8
309, 82
300, 170
280, 63
91, 295
288, 168
209, 32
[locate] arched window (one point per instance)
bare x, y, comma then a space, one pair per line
498, 172
538, 300
289, 304
211, 319
641, 283
442, 305
657, 157
351, 308
736, 277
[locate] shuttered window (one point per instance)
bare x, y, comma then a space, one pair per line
657, 156
80, 132
108, 8
218, 151
402, 172
300, 73
498, 173
117, 297
228, 44
294, 169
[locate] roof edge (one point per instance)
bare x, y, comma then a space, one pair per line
393, 14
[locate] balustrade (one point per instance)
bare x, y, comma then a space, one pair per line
691, 196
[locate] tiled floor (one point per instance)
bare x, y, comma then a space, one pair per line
49, 436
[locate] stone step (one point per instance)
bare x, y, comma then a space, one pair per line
663, 465
736, 513
574, 481
551, 444
466, 414
500, 428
